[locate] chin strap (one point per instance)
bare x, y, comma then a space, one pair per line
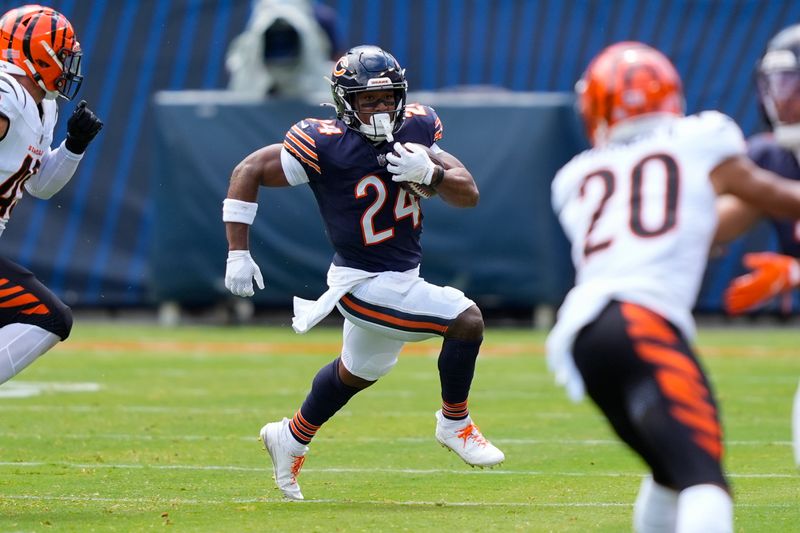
788, 136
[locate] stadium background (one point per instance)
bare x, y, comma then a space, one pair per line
97, 243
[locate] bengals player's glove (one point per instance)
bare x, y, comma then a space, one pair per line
82, 127
410, 163
772, 274
240, 272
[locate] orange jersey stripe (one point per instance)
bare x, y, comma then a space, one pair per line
703, 424
710, 444
11, 290
311, 153
669, 358
23, 299
304, 135
644, 323
693, 394
40, 309
394, 320
303, 159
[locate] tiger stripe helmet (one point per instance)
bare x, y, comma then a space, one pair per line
40, 42
626, 80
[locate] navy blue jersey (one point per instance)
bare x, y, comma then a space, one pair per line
371, 221
766, 153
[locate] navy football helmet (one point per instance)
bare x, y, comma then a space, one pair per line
369, 68
778, 80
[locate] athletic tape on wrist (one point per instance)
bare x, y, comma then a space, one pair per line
238, 211
438, 176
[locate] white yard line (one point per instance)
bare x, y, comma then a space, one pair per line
409, 471
348, 502
362, 440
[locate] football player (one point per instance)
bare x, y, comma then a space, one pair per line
778, 82
355, 166
639, 210
40, 62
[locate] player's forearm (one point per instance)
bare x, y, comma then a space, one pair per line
57, 169
458, 188
239, 206
781, 201
735, 218
238, 235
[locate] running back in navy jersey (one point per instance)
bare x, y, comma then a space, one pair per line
763, 150
373, 223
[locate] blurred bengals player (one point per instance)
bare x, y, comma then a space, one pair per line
39, 62
374, 225
773, 274
639, 210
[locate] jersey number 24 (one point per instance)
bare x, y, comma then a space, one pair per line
406, 205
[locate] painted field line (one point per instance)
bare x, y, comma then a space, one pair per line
359, 440
408, 471
219, 501
348, 502
179, 411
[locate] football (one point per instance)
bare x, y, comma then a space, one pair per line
417, 189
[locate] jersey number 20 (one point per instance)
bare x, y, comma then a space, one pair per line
637, 177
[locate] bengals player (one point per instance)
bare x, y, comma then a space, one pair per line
354, 166
639, 210
39, 62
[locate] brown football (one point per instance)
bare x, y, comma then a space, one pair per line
418, 189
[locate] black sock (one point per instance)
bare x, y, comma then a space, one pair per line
456, 369
328, 395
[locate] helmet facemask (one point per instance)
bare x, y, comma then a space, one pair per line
70, 80
376, 125
778, 82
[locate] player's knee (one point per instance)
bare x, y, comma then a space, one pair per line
361, 372
60, 321
468, 326
351, 380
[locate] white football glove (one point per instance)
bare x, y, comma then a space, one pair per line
410, 164
240, 272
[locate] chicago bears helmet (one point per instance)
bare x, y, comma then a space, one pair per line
39, 42
369, 68
627, 80
778, 82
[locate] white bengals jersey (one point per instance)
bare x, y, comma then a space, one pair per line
26, 142
640, 216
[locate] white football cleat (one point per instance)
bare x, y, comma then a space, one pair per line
464, 438
286, 459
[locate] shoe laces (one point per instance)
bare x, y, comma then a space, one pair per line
297, 464
471, 432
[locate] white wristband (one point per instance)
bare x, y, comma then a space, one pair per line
238, 211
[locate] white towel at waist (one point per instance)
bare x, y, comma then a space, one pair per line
341, 280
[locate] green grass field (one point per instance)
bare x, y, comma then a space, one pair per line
132, 428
